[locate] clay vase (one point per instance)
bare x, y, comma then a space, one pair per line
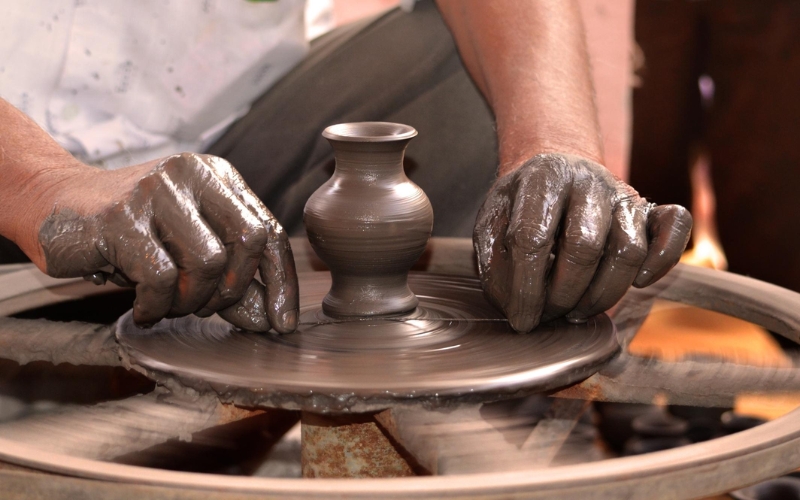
369, 223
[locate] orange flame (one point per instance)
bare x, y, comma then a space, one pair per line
706, 249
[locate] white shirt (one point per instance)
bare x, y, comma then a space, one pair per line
119, 82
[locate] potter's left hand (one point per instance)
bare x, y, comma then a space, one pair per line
186, 231
561, 235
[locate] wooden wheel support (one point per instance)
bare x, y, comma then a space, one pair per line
352, 446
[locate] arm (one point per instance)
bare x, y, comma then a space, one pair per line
186, 231
558, 234
32, 166
529, 60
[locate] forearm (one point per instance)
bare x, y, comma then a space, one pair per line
529, 60
32, 166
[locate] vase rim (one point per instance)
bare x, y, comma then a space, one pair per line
369, 132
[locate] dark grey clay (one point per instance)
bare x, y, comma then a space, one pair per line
369, 223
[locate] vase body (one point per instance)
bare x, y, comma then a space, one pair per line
369, 223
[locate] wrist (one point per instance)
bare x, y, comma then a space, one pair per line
41, 192
512, 156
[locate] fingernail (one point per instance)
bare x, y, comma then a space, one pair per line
576, 318
522, 323
289, 320
204, 312
595, 294
643, 279
143, 324
226, 293
96, 278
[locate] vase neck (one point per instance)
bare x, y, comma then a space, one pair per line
376, 158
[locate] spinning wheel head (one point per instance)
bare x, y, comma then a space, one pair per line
436, 355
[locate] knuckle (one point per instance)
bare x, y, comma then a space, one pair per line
583, 250
584, 239
219, 165
187, 158
172, 162
162, 276
276, 236
214, 260
675, 217
627, 195
148, 184
254, 239
530, 238
632, 253
182, 163
208, 263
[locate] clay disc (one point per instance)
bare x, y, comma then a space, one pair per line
371, 364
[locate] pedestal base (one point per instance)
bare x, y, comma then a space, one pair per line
351, 446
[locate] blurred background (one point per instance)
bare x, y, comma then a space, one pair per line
699, 105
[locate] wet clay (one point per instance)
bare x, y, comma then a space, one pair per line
28, 340
371, 364
189, 235
562, 236
369, 223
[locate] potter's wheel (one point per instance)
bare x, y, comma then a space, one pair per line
437, 353
82, 443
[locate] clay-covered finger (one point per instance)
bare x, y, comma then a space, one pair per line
144, 261
249, 312
668, 229
196, 250
155, 290
626, 249
586, 225
530, 239
488, 239
241, 232
276, 266
240, 189
127, 240
280, 277
257, 312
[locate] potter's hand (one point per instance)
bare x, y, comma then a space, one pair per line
603, 235
186, 231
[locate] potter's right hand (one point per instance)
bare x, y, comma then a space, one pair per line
561, 235
186, 231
